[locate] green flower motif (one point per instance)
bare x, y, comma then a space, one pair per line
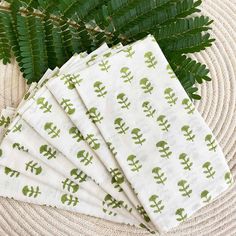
123, 100
137, 136
92, 141
69, 200
5, 121
134, 163
104, 65
71, 80
181, 214
92, 59
228, 178
52, 130
85, 157
76, 134
147, 108
185, 161
78, 175
159, 176
188, 106
11, 173
143, 213
150, 59
67, 106
17, 128
163, 123
156, 204
99, 89
48, 152
0, 152
20, 147
126, 74
120, 126
70, 185
94, 115
184, 188
208, 170
170, 96
146, 85
129, 51
31, 191
205, 196
170, 72
44, 105
117, 178
188, 133
164, 149
33, 167
211, 143
109, 203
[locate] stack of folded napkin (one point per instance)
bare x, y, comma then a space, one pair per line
112, 134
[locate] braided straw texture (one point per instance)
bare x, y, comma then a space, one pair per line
218, 107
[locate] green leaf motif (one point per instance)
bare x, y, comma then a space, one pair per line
148, 110
70, 185
211, 143
123, 100
188, 106
117, 178
156, 204
33, 167
17, 128
76, 134
163, 123
44, 105
112, 149
92, 141
170, 96
134, 163
188, 133
78, 175
150, 59
184, 188
52, 130
10, 172
31, 191
69, 200
208, 170
164, 149
120, 126
159, 175
104, 65
109, 203
94, 115
126, 74
146, 85
85, 157
170, 72
48, 152
71, 80
67, 106
99, 89
5, 121
19, 147
205, 196
129, 51
137, 136
143, 213
185, 161
228, 178
181, 215
0, 152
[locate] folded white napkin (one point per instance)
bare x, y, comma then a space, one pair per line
162, 144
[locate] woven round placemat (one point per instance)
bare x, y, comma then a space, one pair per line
218, 107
